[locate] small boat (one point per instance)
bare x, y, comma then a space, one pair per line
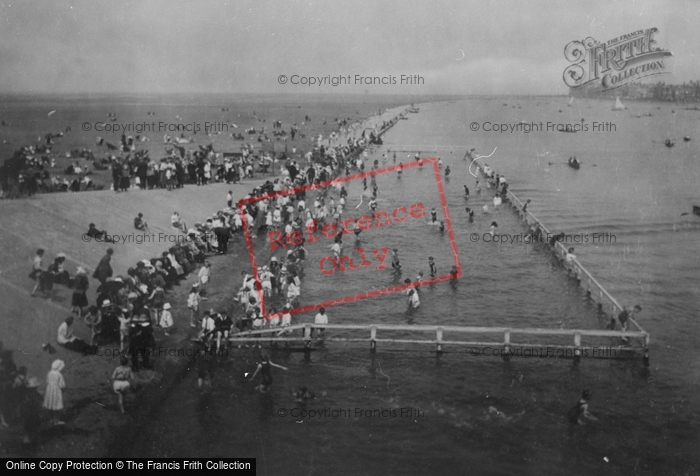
618, 105
696, 210
574, 164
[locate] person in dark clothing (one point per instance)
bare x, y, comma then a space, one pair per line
142, 172
116, 176
578, 412
104, 269
31, 410
265, 368
80, 286
222, 236
97, 235
142, 340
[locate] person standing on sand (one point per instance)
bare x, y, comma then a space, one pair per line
93, 320
141, 341
166, 318
204, 278
80, 287
30, 410
53, 399
104, 269
121, 380
37, 270
193, 304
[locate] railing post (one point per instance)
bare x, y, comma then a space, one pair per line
307, 336
439, 340
506, 345
373, 337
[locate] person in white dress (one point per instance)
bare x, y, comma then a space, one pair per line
53, 398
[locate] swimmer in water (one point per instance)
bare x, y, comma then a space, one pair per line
373, 204
442, 227
466, 191
454, 272
447, 171
580, 411
478, 187
302, 395
265, 367
433, 216
399, 168
433, 268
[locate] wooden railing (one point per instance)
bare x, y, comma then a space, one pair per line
508, 333
593, 288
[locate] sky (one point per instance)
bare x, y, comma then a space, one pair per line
242, 46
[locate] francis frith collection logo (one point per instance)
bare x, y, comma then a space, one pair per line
616, 62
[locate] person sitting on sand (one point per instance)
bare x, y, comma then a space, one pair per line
66, 338
97, 235
177, 223
58, 274
140, 224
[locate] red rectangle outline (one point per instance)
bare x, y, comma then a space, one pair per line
357, 297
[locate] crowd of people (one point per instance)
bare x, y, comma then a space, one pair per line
130, 308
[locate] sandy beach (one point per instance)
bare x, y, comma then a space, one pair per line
57, 222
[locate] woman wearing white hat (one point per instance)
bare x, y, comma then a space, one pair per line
53, 399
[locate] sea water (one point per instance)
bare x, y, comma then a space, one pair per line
477, 412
